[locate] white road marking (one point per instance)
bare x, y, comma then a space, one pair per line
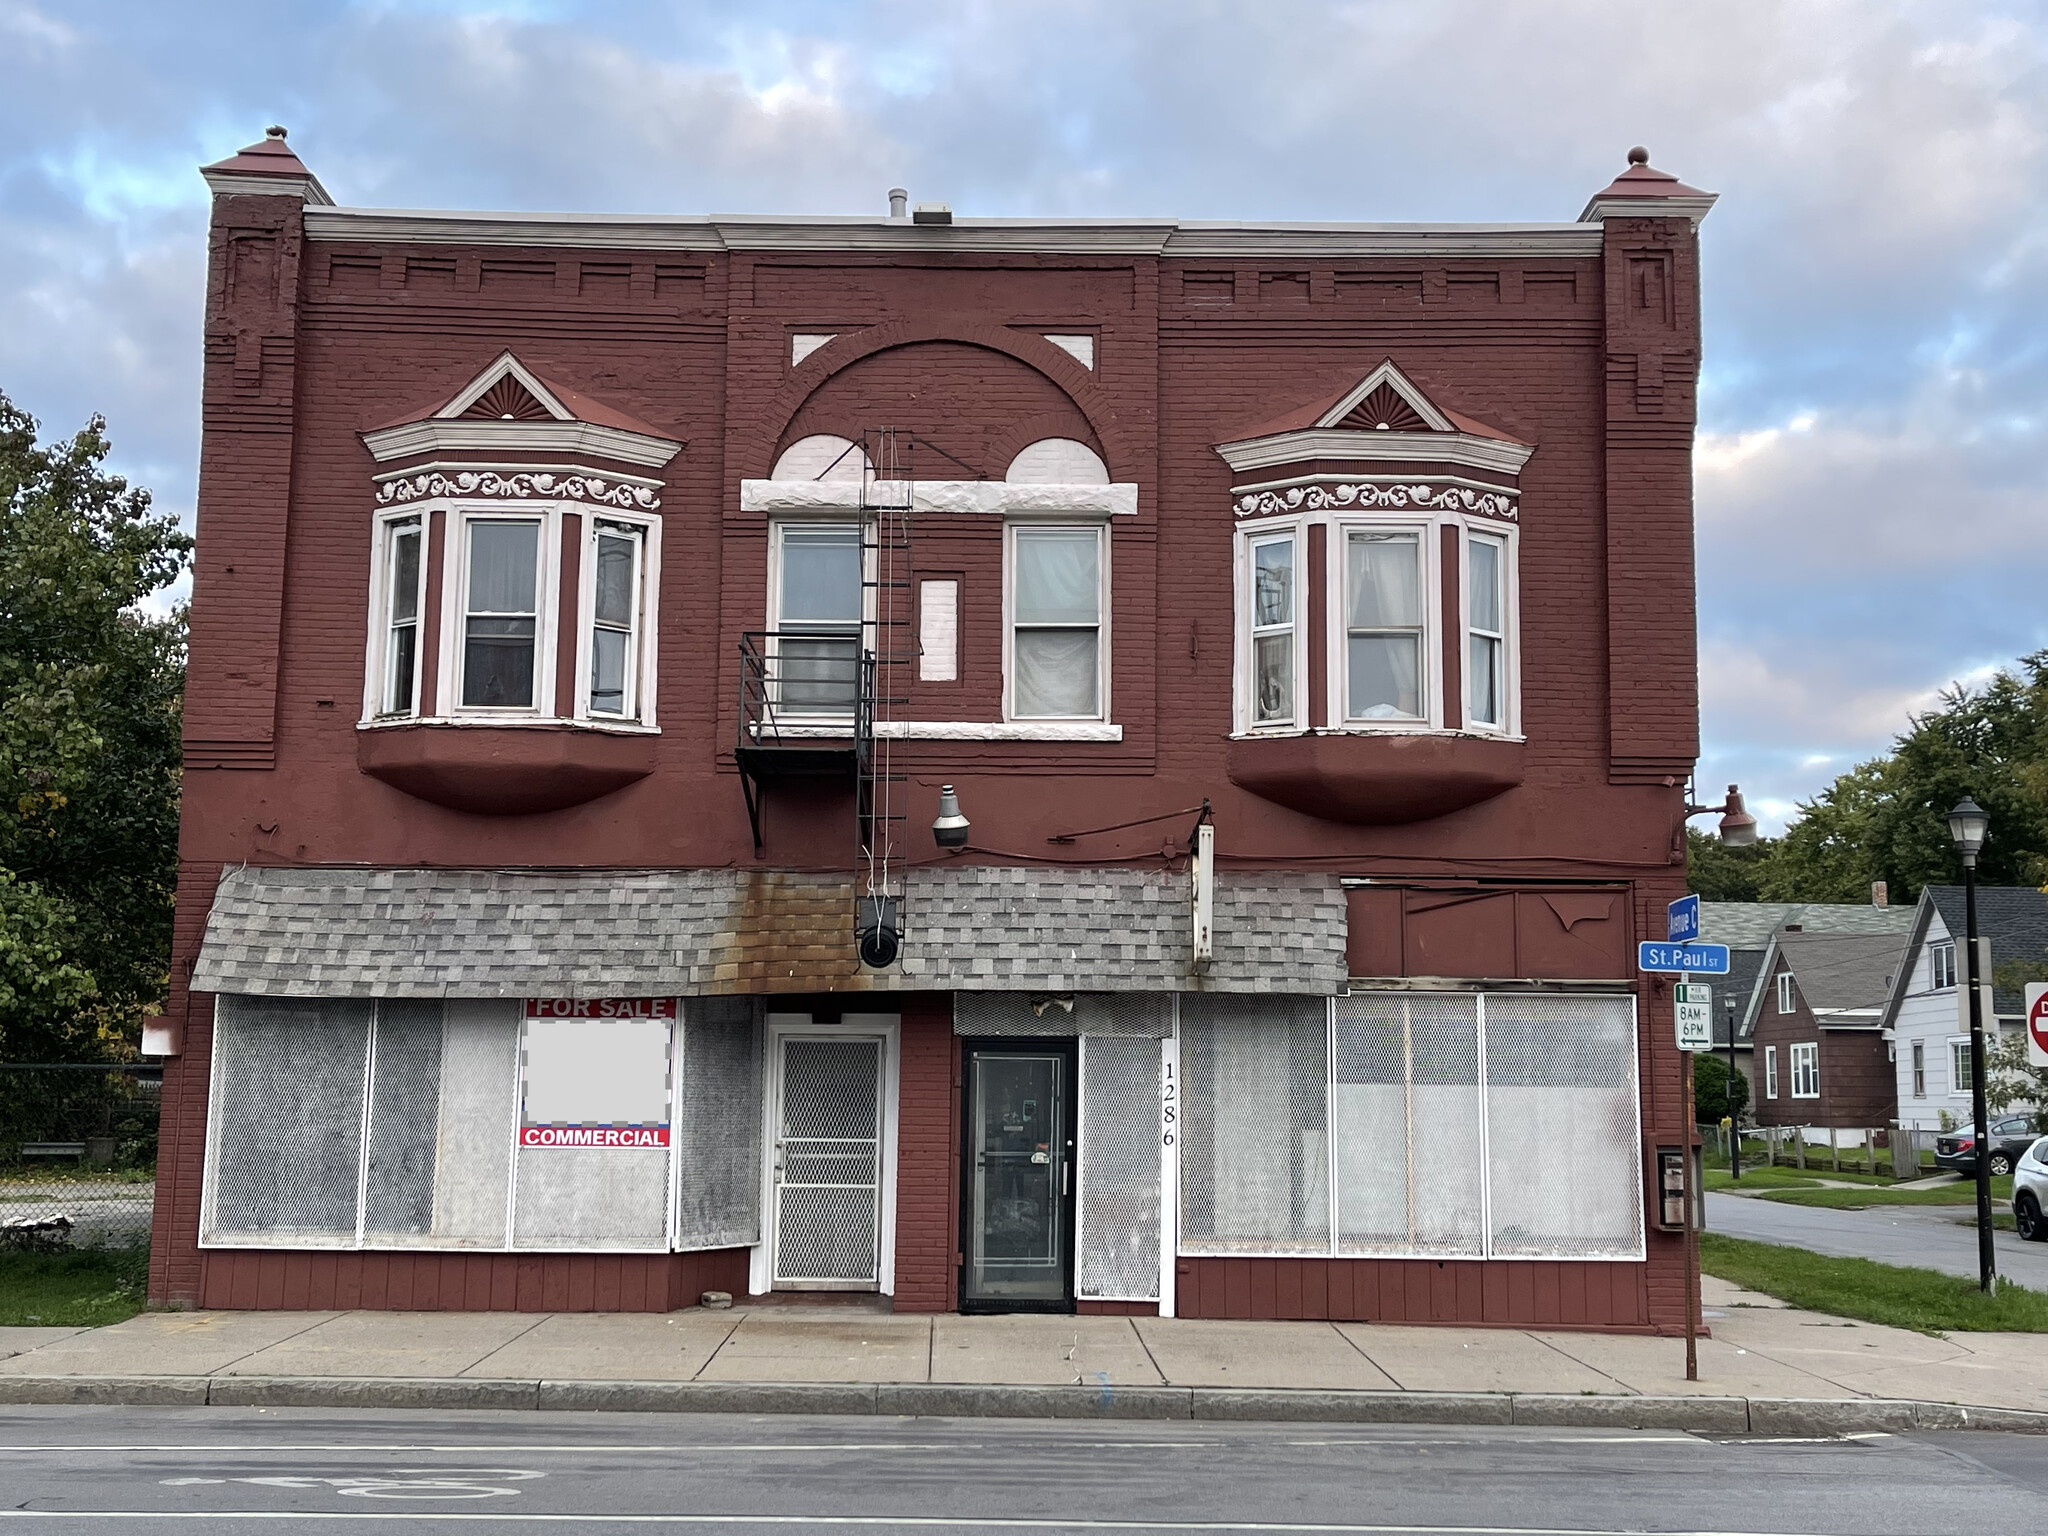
405, 1483
923, 1522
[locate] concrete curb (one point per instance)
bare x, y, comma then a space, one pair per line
1705, 1415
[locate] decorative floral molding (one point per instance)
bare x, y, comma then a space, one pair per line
518, 487
1418, 498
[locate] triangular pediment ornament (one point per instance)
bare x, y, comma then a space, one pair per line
507, 390
1385, 400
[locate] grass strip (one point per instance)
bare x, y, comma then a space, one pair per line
1923, 1300
1861, 1199
72, 1290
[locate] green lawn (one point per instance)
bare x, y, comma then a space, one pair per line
1761, 1178
1920, 1299
53, 1290
1960, 1193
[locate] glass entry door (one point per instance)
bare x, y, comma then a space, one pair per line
1020, 1152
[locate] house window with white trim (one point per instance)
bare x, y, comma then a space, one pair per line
1941, 965
616, 555
1272, 630
1055, 664
816, 617
1770, 1071
501, 608
1961, 1080
1385, 657
1785, 1002
1486, 631
1919, 1069
1805, 1069
404, 584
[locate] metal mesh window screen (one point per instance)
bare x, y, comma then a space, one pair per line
1406, 1108
1563, 1145
1037, 1013
1254, 1157
286, 1137
1118, 1243
718, 1125
828, 1188
478, 1119
405, 1105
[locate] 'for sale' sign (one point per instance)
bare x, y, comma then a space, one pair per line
2037, 1023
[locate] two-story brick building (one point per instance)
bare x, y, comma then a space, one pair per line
590, 610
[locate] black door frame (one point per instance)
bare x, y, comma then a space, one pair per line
1068, 1047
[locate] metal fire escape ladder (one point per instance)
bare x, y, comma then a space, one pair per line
889, 645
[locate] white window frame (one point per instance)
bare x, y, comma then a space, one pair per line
1103, 640
1941, 963
1959, 1080
1919, 1069
1249, 537
1787, 1003
377, 655
830, 721
1510, 617
1337, 525
641, 692
1770, 1071
1805, 1054
455, 607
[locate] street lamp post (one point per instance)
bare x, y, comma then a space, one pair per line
1967, 824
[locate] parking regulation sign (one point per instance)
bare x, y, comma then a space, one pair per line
1693, 1011
2037, 1024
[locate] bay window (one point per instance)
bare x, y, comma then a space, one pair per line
1485, 631
501, 612
1272, 630
615, 619
1055, 661
1383, 661
404, 572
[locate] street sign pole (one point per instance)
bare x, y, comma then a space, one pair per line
1692, 1236
1692, 1020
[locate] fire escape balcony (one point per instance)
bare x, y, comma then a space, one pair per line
807, 715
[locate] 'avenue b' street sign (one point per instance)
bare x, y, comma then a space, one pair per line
1682, 959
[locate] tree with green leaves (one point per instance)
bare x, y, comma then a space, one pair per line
1717, 1091
2013, 1082
1716, 872
91, 685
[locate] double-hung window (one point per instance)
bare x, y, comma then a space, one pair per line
1941, 964
1383, 619
1272, 630
1919, 1069
500, 613
1785, 1003
615, 608
1960, 1078
1770, 1071
1486, 631
1056, 624
404, 571
1805, 1069
818, 618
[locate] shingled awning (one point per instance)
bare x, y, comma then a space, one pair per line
622, 933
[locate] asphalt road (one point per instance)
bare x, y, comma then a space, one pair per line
1929, 1236
164, 1470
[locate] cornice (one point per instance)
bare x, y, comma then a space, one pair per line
1413, 497
473, 466
1339, 446
307, 188
469, 434
518, 485
1693, 207
1128, 237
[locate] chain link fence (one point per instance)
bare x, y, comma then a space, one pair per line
77, 1155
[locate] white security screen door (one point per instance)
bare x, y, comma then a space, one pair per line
828, 1162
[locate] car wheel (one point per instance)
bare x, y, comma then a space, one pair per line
2026, 1214
2001, 1164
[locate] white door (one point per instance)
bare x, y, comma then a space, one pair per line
828, 1158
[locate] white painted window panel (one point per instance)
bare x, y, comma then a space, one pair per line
938, 631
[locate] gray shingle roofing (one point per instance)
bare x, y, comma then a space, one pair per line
1750, 924
1844, 973
2013, 918
511, 933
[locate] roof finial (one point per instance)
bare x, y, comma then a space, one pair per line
274, 131
1639, 156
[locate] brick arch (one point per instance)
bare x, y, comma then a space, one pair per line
1033, 351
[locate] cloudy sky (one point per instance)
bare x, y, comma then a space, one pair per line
1871, 463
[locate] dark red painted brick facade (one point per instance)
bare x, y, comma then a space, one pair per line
309, 342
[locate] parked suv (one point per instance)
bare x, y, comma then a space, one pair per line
2011, 1135
2030, 1192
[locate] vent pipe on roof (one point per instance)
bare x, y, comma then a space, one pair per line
899, 203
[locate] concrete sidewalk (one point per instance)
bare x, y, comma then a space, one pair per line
1767, 1366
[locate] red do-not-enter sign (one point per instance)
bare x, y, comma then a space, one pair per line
2037, 1023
